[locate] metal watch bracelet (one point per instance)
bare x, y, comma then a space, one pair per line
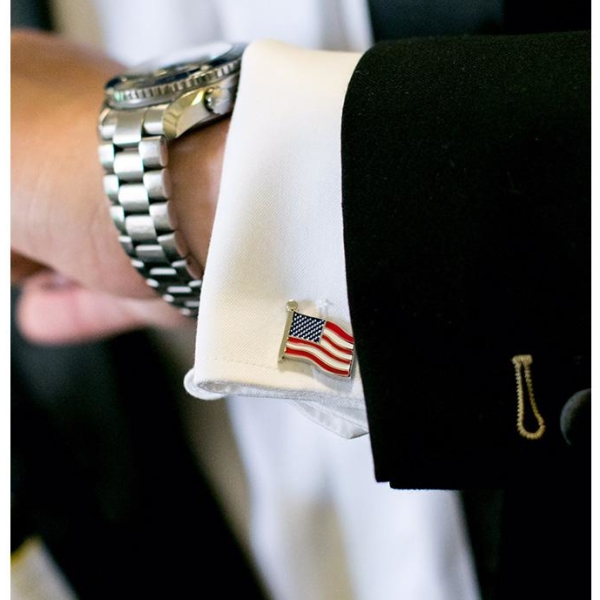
133, 152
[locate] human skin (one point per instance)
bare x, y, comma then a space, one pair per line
77, 282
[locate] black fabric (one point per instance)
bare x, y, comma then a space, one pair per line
102, 472
483, 511
542, 16
30, 13
466, 185
394, 19
466, 169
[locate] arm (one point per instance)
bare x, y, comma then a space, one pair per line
109, 296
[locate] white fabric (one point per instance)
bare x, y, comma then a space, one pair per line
323, 529
35, 576
136, 30
331, 24
278, 235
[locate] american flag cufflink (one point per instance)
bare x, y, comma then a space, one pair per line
318, 342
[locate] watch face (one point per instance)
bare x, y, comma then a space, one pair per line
161, 80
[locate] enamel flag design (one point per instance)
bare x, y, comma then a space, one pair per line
318, 342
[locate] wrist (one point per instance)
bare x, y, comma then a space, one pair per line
145, 110
195, 163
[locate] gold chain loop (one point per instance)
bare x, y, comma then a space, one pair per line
522, 363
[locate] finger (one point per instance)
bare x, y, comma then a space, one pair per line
22, 267
55, 311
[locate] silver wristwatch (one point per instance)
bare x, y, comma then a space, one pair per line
143, 109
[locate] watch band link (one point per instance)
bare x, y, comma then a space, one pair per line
133, 152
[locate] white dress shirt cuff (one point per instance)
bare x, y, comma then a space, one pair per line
278, 235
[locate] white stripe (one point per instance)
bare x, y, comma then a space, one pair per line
334, 364
341, 354
336, 339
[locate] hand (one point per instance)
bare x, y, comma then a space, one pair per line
78, 283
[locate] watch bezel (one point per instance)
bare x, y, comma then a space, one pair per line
165, 79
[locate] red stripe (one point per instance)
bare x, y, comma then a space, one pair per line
296, 340
314, 359
337, 329
344, 350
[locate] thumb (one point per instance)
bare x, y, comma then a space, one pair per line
53, 310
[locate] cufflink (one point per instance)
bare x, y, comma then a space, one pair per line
317, 341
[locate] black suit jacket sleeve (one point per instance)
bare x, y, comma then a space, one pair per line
466, 176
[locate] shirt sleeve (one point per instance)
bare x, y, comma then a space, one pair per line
278, 235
